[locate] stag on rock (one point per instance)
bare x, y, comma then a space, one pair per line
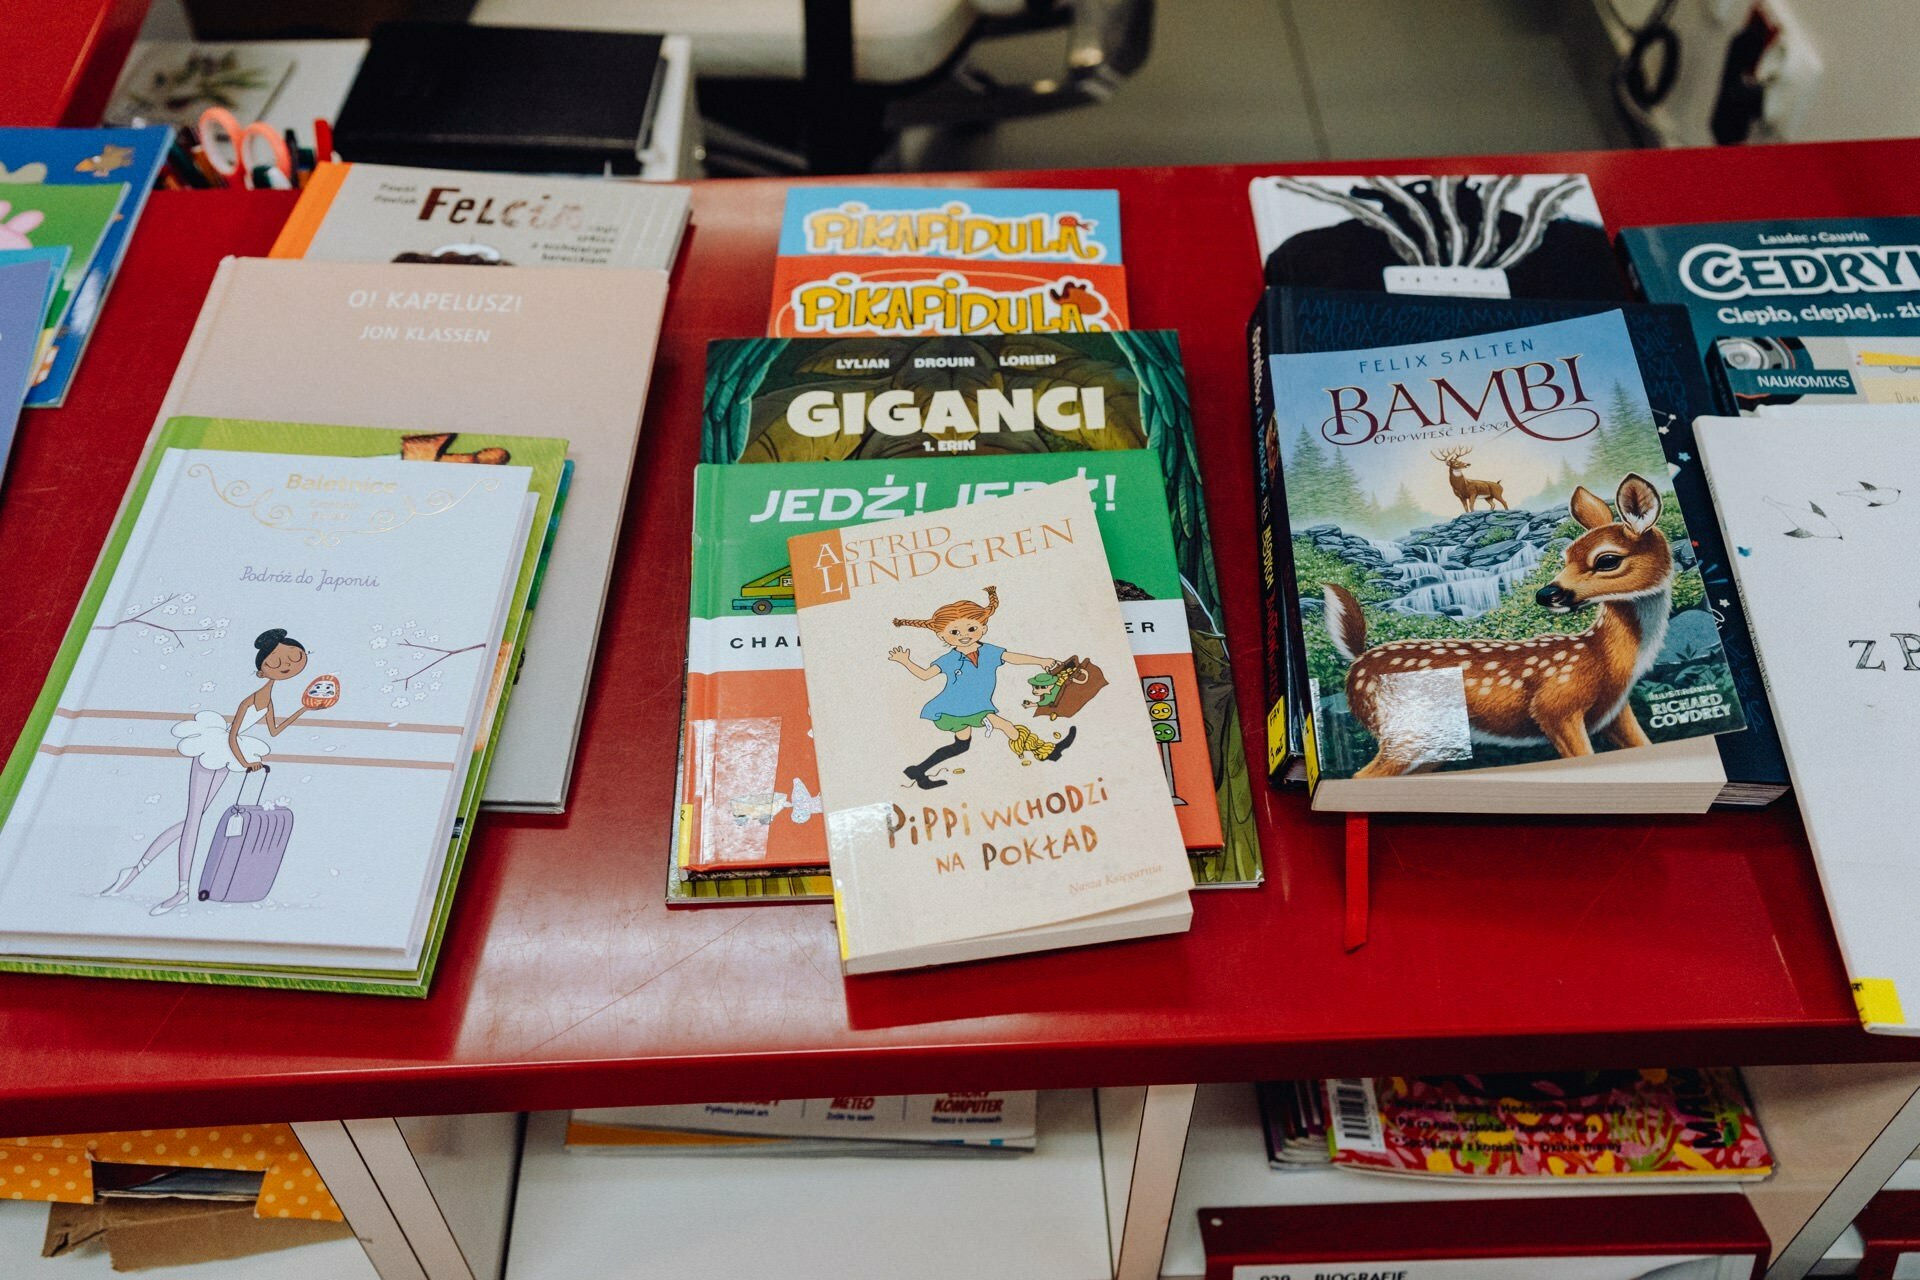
1468, 491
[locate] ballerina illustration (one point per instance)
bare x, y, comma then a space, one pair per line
217, 748
971, 668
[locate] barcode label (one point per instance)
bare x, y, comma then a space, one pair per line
1356, 1120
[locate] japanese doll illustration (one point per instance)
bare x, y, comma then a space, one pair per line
249, 841
970, 668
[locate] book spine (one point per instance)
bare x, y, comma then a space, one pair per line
693, 707
1272, 618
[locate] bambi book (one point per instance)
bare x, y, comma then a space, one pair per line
963, 822
1489, 568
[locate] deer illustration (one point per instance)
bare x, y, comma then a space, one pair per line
1464, 489
1554, 689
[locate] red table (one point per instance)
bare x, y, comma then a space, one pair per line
566, 982
63, 56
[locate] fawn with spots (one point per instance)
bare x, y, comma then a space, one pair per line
1468, 491
1556, 689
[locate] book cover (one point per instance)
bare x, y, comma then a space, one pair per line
424, 350
1531, 235
1830, 369
1012, 393
1820, 508
41, 216
1655, 1123
960, 823
848, 297
1677, 393
1487, 556
170, 82
26, 284
1784, 278
99, 158
385, 213
978, 224
749, 789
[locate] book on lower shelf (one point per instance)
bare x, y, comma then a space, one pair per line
1686, 1124
962, 823
1822, 509
272, 659
913, 1124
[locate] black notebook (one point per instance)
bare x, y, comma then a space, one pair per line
523, 99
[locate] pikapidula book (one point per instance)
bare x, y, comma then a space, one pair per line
1822, 508
962, 823
1491, 569
270, 720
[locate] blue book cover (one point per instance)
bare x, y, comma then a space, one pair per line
1677, 393
1490, 563
85, 157
26, 283
1783, 279
1009, 224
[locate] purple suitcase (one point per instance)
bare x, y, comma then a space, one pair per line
247, 847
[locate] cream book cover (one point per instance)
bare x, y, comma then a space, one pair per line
989, 786
440, 350
1821, 509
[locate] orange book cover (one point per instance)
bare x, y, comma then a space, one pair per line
818, 296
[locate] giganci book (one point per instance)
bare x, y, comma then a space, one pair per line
830, 400
1491, 569
963, 821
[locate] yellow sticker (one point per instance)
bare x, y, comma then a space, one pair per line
1878, 1001
683, 847
1310, 755
1276, 736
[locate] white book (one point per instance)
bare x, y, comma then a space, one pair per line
1821, 511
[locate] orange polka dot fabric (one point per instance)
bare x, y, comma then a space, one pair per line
60, 1166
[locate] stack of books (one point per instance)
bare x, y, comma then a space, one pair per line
285, 696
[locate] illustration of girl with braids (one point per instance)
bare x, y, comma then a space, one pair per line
971, 668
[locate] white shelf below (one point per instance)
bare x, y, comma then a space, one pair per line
1041, 1216
24, 1225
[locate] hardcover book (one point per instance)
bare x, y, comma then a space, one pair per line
1820, 507
100, 158
962, 822
1677, 393
826, 400
336, 874
427, 351
749, 788
1491, 569
1775, 281
1532, 235
385, 213
1682, 1123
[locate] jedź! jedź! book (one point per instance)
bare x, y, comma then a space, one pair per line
1491, 569
750, 789
991, 780
848, 399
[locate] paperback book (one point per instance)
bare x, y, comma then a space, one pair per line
750, 788
336, 874
990, 1121
77, 219
1677, 392
1683, 1123
1533, 235
1484, 560
962, 823
1294, 1115
976, 224
834, 400
1820, 506
103, 159
387, 213
26, 285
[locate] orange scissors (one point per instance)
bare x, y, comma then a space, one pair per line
226, 143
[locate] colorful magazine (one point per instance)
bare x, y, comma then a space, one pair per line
979, 224
1681, 1123
768, 400
1488, 559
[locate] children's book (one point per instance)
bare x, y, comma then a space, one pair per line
1511, 235
424, 351
42, 216
1688, 1124
750, 789
387, 213
104, 159
27, 280
1491, 569
1770, 287
1822, 508
829, 400
963, 821
335, 874
993, 1120
1759, 370
1077, 227
1677, 392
